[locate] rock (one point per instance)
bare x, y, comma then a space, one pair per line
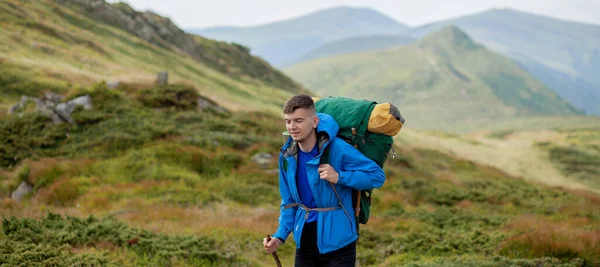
149, 26
49, 106
23, 189
262, 159
64, 110
52, 97
22, 104
162, 78
84, 101
13, 109
206, 104
113, 84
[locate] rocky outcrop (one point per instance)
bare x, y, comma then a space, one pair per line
146, 25
50, 106
206, 104
232, 59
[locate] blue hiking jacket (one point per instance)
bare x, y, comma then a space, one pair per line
335, 229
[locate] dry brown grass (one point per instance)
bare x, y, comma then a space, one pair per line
515, 155
61, 192
538, 237
39, 168
175, 219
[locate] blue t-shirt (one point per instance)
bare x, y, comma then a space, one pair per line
302, 179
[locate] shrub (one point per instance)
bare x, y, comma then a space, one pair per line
173, 96
28, 136
161, 249
15, 253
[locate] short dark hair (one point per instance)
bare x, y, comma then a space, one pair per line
298, 101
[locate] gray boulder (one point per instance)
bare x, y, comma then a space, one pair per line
64, 110
206, 104
162, 78
113, 84
23, 189
50, 106
263, 159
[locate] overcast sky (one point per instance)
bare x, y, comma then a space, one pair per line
207, 13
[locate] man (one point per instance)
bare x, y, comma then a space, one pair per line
317, 198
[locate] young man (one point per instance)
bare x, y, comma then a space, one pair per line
321, 218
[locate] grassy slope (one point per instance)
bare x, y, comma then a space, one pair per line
190, 176
444, 81
186, 177
559, 157
64, 47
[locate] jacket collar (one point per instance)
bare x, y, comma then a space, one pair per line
293, 147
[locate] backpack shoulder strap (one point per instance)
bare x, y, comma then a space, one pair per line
325, 160
325, 156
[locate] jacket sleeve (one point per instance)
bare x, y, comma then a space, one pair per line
358, 171
286, 216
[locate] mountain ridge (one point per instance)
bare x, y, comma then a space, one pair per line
441, 81
563, 54
286, 41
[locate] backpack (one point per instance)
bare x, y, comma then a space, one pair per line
369, 127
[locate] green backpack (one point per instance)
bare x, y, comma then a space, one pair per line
368, 126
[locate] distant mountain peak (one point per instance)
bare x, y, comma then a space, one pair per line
449, 35
286, 41
346, 9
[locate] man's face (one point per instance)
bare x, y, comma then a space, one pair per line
300, 124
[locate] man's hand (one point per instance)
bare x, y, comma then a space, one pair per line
326, 172
272, 245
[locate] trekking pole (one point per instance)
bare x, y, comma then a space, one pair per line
274, 253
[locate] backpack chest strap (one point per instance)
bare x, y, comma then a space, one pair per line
308, 210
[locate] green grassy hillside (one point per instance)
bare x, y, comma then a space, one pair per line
150, 177
144, 181
443, 81
56, 45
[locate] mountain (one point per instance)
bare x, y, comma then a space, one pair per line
564, 55
284, 42
443, 81
156, 175
356, 44
60, 44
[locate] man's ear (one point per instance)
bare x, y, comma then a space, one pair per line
316, 120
